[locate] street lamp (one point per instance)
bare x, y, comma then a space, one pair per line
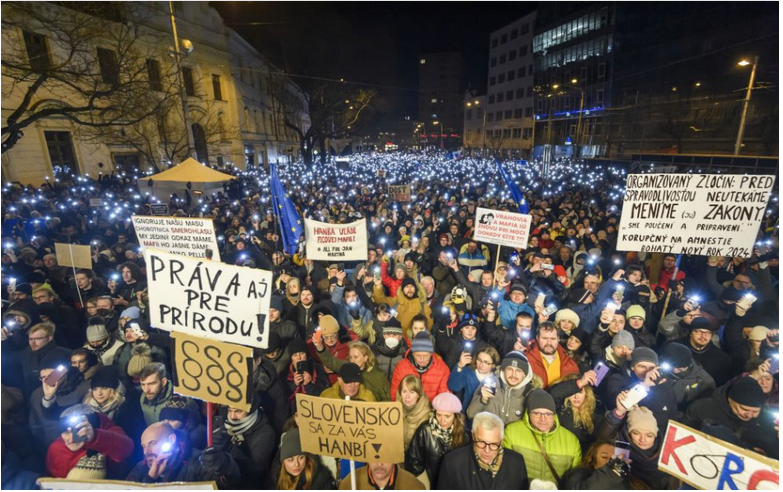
182, 92
441, 132
746, 103
483, 127
581, 110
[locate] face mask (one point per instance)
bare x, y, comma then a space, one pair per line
392, 343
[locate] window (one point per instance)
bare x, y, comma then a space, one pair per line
501, 78
530, 91
529, 112
507, 133
520, 93
489, 133
524, 29
107, 61
583, 74
517, 133
507, 114
523, 51
434, 100
37, 51
422, 61
518, 113
500, 97
490, 117
521, 72
511, 75
514, 33
216, 87
504, 39
493, 62
61, 152
492, 99
601, 71
187, 78
502, 59
527, 132
512, 55
250, 156
530, 69
499, 116
495, 43
497, 133
153, 74
469, 114
599, 98
492, 80
509, 95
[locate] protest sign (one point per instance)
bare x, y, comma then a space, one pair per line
213, 371
159, 208
504, 228
399, 193
353, 430
73, 255
178, 235
339, 242
209, 299
695, 214
66, 484
708, 463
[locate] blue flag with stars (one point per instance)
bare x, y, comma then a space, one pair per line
514, 189
291, 228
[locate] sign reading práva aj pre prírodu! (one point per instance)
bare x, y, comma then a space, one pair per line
186, 236
696, 214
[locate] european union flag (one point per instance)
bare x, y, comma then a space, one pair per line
514, 189
291, 228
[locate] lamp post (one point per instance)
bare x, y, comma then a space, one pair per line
483, 125
746, 103
441, 132
182, 93
581, 110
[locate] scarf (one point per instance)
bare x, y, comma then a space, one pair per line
493, 467
109, 406
413, 418
439, 432
237, 428
482, 377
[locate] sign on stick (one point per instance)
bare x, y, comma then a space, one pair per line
73, 255
503, 228
399, 193
178, 235
339, 242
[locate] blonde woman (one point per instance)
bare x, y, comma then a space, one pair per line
415, 406
576, 406
362, 355
291, 295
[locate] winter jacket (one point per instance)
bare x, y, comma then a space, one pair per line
403, 481
151, 409
604, 478
107, 352
31, 363
190, 469
536, 360
286, 329
14, 476
508, 311
499, 336
373, 378
444, 281
692, 385
560, 445
344, 317
452, 347
253, 453
560, 392
109, 440
319, 380
508, 402
426, 452
473, 261
464, 382
124, 354
334, 392
713, 360
434, 379
45, 421
386, 358
460, 471
273, 393
671, 327
338, 351
406, 308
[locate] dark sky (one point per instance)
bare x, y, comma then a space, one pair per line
372, 42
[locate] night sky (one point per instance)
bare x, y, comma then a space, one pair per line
372, 42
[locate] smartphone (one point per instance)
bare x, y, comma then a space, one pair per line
750, 298
12, 283
546, 266
549, 310
541, 298
301, 367
317, 335
611, 306
55, 376
622, 450
774, 365
377, 271
74, 421
601, 370
467, 348
637, 394
136, 329
694, 301
490, 384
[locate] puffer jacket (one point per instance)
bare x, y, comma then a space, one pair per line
604, 478
434, 380
406, 308
567, 364
560, 445
426, 452
334, 392
692, 385
508, 402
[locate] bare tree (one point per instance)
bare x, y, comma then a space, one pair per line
81, 61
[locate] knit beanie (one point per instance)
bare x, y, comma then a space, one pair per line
392, 327
399, 266
422, 343
291, 445
25, 289
538, 399
297, 345
568, 315
97, 330
517, 360
758, 333
105, 377
636, 311
175, 409
408, 281
623, 339
641, 418
747, 392
519, 288
273, 343
581, 335
276, 303
643, 354
678, 355
329, 325
702, 323
467, 320
131, 312
141, 355
89, 467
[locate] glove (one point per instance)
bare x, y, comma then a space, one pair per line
673, 284
620, 467
213, 460
220, 437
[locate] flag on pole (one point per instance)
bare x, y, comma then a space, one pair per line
291, 228
514, 189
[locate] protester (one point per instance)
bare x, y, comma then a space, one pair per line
505, 395
471, 371
415, 406
599, 470
421, 361
382, 476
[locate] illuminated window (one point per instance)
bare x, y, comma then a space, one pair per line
422, 61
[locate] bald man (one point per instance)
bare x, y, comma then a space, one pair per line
169, 458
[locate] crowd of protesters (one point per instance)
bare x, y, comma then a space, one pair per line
514, 367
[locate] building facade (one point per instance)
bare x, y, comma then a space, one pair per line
474, 140
509, 103
441, 89
227, 85
572, 50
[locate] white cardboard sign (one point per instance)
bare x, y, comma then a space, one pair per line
336, 242
503, 228
184, 236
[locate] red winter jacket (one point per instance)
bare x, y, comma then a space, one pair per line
434, 381
110, 440
390, 281
567, 364
339, 351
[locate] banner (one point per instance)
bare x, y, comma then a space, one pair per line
399, 193
338, 242
178, 235
209, 299
695, 214
708, 463
213, 371
159, 208
503, 228
353, 430
65, 484
73, 255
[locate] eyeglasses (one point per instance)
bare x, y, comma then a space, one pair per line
484, 362
547, 415
492, 446
330, 337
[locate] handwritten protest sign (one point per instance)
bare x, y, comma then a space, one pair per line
159, 208
178, 235
504, 228
73, 255
341, 242
352, 430
696, 214
213, 371
209, 299
65, 484
708, 463
399, 193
